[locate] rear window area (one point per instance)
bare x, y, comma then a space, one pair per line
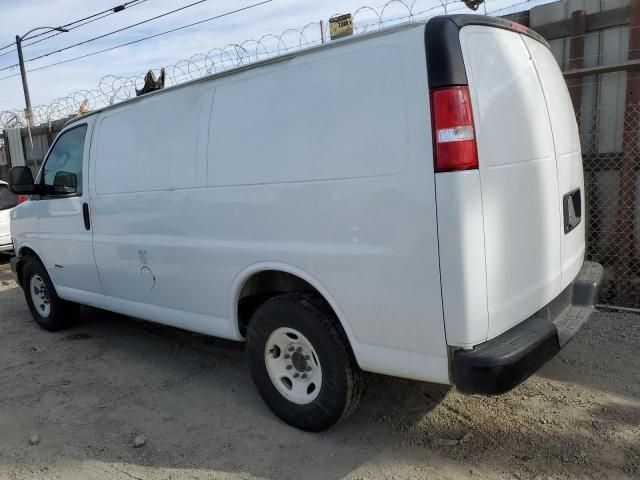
7, 199
512, 122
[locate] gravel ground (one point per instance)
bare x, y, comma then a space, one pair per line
83, 397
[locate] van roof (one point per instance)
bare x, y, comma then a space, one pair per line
459, 20
257, 64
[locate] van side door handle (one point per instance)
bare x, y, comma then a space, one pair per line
85, 214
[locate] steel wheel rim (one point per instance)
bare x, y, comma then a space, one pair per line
40, 296
293, 365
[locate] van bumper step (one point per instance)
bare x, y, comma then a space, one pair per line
504, 362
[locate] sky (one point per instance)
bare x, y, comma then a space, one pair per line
19, 16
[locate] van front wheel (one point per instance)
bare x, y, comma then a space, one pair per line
300, 362
48, 310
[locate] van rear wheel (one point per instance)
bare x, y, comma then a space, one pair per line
48, 310
301, 363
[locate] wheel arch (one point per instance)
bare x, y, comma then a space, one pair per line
23, 252
298, 278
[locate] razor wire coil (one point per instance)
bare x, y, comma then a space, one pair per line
112, 89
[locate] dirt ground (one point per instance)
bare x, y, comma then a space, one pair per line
88, 392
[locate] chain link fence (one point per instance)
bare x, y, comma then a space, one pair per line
612, 194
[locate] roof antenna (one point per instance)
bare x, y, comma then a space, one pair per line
473, 4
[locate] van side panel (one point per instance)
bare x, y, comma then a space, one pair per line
308, 170
150, 145
322, 117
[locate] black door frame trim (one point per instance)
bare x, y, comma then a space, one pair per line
445, 65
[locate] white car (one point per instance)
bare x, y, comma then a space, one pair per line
8, 200
407, 202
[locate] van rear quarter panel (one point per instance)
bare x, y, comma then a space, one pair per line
320, 164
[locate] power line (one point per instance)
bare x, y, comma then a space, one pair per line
144, 38
59, 33
90, 19
110, 11
202, 21
184, 7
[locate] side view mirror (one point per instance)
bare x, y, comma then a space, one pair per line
65, 183
21, 181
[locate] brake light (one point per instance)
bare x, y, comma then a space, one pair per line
21, 199
454, 137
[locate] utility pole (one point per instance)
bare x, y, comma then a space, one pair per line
27, 99
25, 87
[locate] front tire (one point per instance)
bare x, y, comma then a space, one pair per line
48, 310
301, 363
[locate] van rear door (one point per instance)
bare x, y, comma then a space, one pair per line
530, 171
568, 158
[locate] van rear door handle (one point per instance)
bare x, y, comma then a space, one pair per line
85, 214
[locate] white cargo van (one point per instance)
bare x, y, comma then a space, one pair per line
407, 202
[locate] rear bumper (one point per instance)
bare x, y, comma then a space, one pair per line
502, 363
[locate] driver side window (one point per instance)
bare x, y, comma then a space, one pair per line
62, 172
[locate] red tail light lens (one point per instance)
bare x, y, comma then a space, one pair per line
21, 198
454, 137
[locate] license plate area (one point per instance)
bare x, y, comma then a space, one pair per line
572, 210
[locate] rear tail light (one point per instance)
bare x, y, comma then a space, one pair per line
21, 199
454, 137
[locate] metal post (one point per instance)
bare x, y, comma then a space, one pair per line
576, 56
626, 199
25, 87
321, 31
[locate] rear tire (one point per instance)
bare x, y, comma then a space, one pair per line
48, 310
301, 363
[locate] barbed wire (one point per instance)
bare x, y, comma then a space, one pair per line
113, 88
